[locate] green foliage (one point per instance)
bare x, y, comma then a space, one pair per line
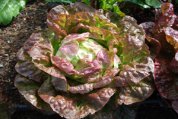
10, 9
153, 3
111, 5
146, 3
107, 5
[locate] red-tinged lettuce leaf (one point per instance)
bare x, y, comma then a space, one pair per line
135, 82
172, 37
39, 50
167, 17
58, 27
148, 27
134, 73
137, 38
60, 84
153, 41
135, 92
22, 55
165, 79
27, 69
70, 19
88, 87
99, 98
81, 89
28, 89
133, 47
69, 107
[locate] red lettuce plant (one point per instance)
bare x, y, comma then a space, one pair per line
162, 37
82, 60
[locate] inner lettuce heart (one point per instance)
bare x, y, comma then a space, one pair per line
85, 55
82, 60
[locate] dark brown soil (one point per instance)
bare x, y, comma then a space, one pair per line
12, 37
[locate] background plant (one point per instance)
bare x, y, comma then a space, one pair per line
162, 36
10, 9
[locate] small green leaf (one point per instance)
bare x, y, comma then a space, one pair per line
153, 3
111, 5
117, 10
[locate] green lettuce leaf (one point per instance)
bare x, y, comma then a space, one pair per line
10, 9
153, 3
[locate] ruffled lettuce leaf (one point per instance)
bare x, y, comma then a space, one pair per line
28, 89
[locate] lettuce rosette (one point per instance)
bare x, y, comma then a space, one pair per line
84, 58
162, 37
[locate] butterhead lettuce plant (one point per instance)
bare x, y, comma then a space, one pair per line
83, 59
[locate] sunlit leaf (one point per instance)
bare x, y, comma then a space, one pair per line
10, 9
